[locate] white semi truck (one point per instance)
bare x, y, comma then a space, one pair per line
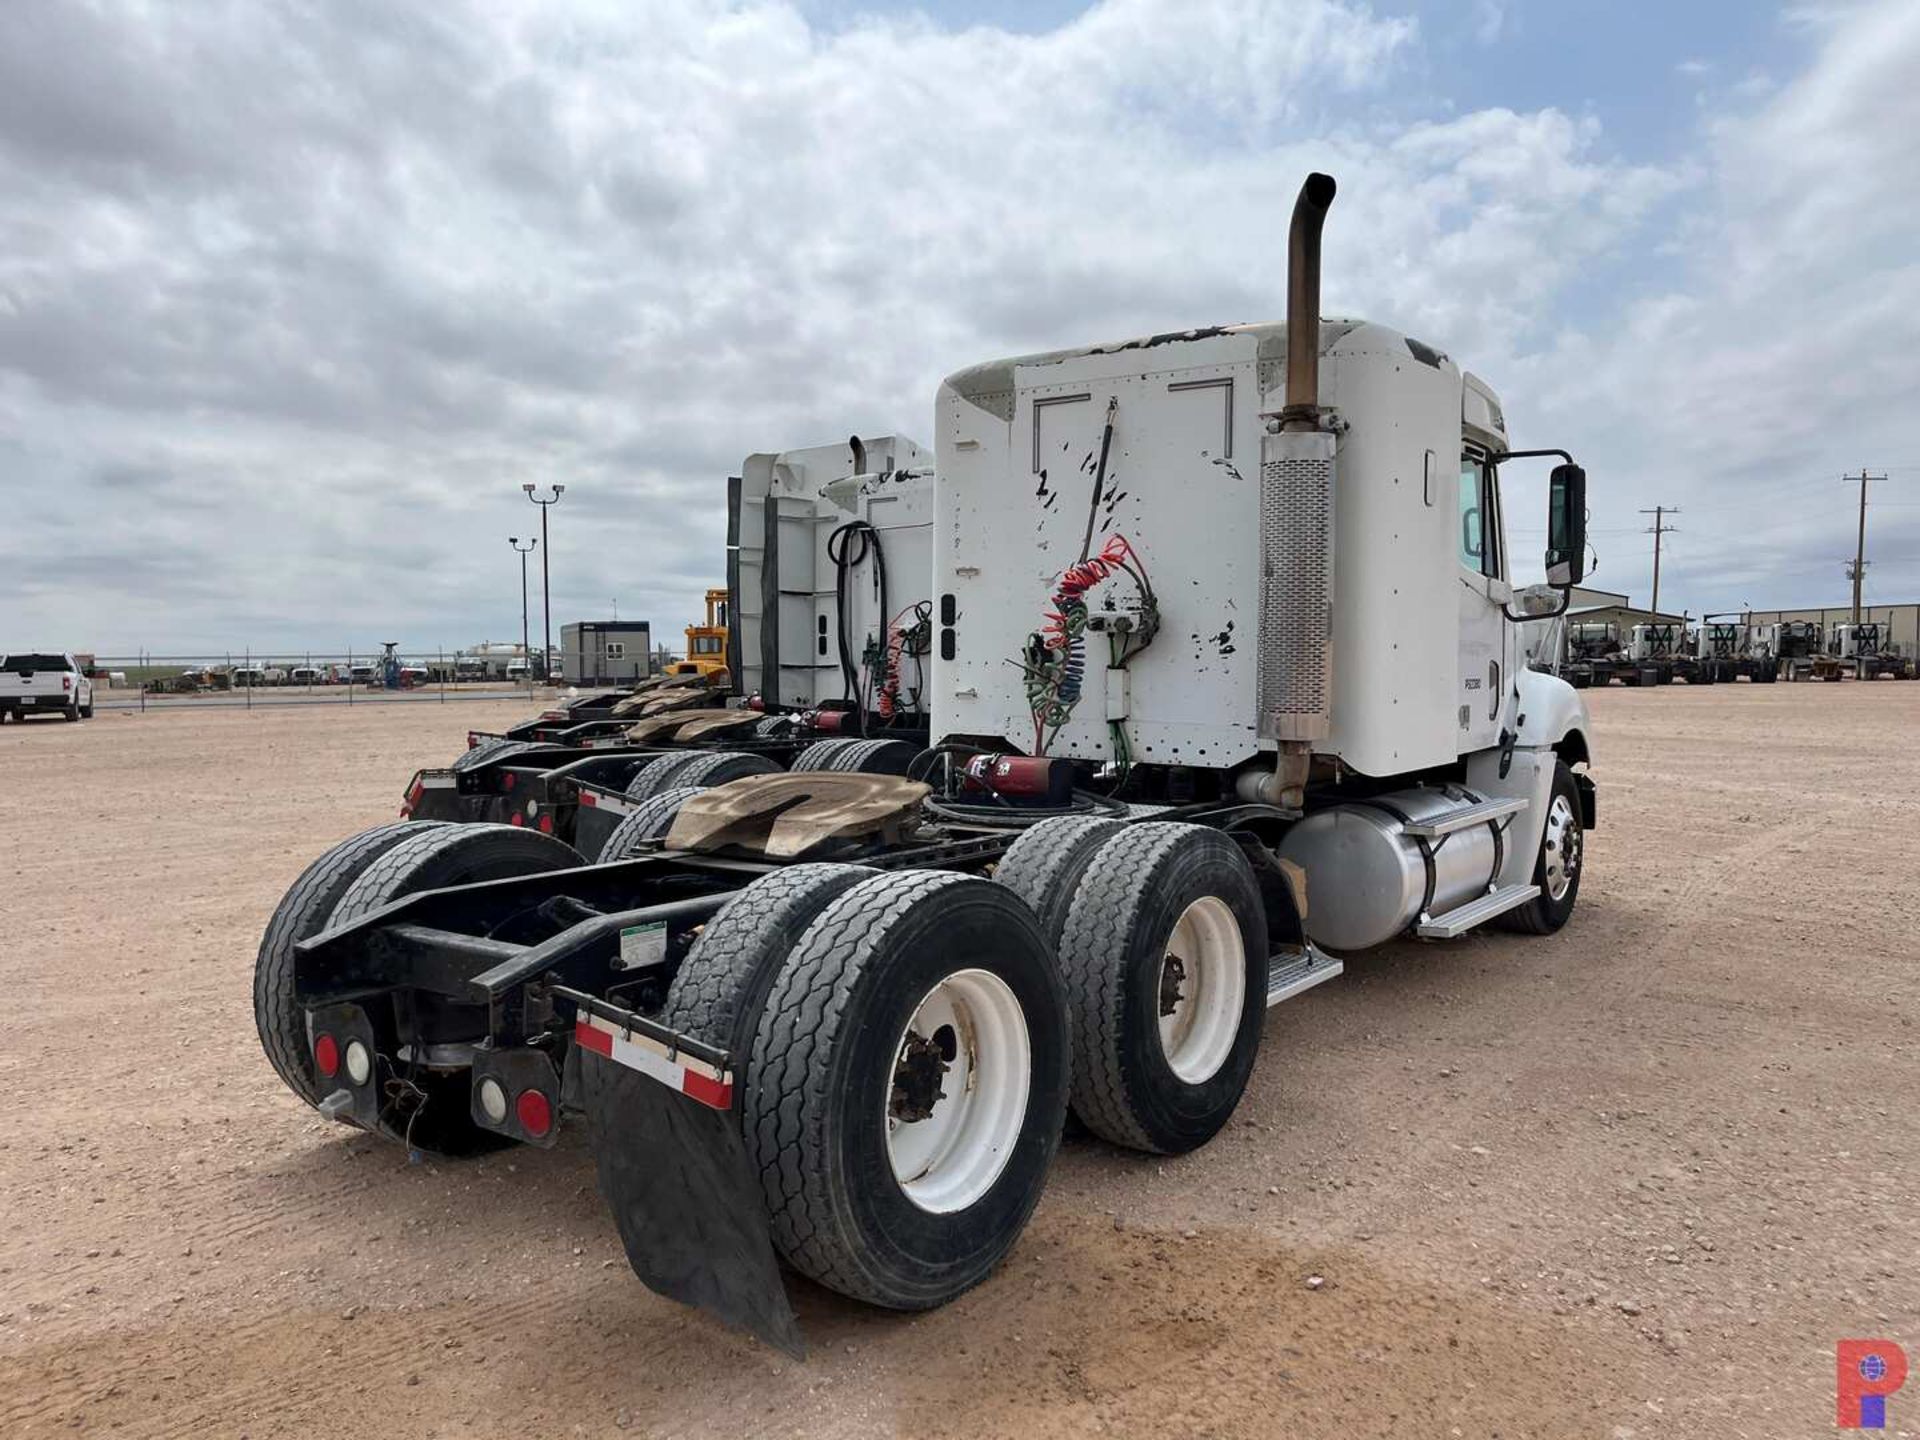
1863, 647
1224, 684
1731, 647
830, 561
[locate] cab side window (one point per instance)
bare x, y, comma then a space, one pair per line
1479, 526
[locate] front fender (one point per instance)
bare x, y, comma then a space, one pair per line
1553, 716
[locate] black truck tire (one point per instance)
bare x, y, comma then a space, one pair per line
451, 855
875, 757
488, 752
834, 1065
305, 910
72, 712
476, 754
1045, 864
717, 767
722, 985
1562, 849
1141, 886
650, 822
657, 774
820, 755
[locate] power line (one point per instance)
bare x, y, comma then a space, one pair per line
1659, 529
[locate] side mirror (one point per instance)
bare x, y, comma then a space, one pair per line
1566, 525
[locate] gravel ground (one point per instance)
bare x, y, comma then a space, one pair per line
1631, 1181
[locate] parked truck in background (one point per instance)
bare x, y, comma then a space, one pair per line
833, 1019
1660, 654
1864, 649
36, 682
1595, 654
1732, 648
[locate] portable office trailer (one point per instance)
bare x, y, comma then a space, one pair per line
605, 652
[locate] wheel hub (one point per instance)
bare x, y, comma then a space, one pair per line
1202, 989
1172, 972
957, 1096
917, 1073
1561, 847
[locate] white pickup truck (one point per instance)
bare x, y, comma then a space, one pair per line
40, 684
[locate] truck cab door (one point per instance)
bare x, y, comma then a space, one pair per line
1486, 646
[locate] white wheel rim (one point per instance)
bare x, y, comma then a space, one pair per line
968, 1038
1201, 989
1561, 845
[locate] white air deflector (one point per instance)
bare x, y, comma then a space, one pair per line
1296, 584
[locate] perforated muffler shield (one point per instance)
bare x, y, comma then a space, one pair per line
1296, 585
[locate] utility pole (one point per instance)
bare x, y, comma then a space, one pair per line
514, 540
1657, 530
546, 594
1857, 571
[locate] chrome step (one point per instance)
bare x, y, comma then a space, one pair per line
1461, 819
1292, 971
1475, 912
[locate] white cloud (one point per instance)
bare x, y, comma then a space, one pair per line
293, 299
1786, 356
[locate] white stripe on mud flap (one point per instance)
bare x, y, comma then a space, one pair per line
692, 1078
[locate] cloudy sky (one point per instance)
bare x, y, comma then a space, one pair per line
295, 296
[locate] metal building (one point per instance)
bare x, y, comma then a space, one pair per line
605, 652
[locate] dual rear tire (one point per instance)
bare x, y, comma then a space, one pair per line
901, 1069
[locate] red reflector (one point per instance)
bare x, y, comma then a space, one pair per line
714, 1094
587, 799
535, 1112
546, 824
593, 1037
507, 781
326, 1055
516, 818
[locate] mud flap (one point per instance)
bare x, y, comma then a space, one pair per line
675, 1173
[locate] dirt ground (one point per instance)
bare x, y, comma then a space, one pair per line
1631, 1181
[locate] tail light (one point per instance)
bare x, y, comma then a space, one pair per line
412, 802
535, 1113
326, 1056
66, 682
546, 824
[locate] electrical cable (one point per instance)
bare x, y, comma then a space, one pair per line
1086, 802
845, 561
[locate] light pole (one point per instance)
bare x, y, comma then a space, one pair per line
546, 596
525, 649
